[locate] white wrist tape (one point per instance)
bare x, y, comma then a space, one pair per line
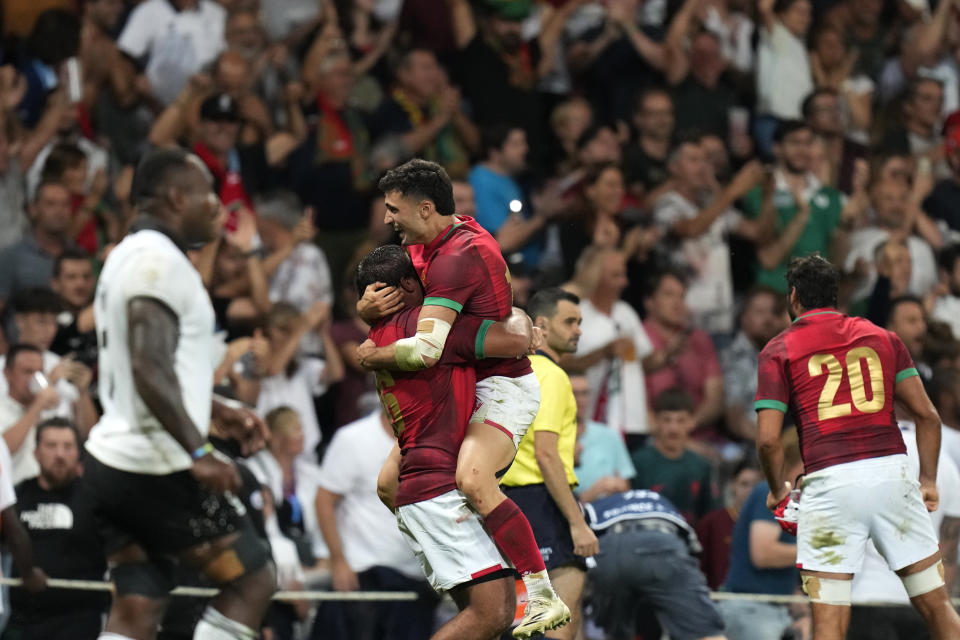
924, 581
827, 590
427, 343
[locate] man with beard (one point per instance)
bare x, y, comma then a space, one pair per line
808, 213
56, 510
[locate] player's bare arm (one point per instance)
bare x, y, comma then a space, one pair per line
153, 332
512, 337
770, 451
911, 394
415, 353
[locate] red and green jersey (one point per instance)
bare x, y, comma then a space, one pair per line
464, 270
836, 374
430, 408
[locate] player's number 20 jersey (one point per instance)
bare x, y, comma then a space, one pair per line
836, 375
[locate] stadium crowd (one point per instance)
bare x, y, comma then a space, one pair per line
663, 160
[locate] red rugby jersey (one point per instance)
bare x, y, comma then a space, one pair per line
429, 409
836, 374
464, 270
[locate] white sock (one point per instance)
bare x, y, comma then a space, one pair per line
538, 584
216, 626
109, 635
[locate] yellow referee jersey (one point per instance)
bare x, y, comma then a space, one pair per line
558, 413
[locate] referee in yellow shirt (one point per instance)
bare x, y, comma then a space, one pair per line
541, 479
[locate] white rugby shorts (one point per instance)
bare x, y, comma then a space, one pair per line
844, 505
509, 404
449, 540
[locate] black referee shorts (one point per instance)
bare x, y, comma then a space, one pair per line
550, 527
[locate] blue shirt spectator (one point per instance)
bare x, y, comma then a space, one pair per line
603, 454
745, 576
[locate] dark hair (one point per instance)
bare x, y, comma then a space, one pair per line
388, 264
807, 107
744, 465
816, 281
35, 300
788, 127
944, 380
155, 172
55, 37
544, 302
904, 299
67, 255
16, 349
57, 423
779, 6
62, 157
674, 399
914, 86
655, 90
493, 137
948, 257
44, 184
654, 282
780, 304
421, 179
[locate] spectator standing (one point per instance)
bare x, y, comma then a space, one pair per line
898, 215
808, 213
645, 159
499, 199
683, 356
696, 217
56, 510
294, 381
715, 530
612, 348
823, 112
171, 41
603, 464
666, 465
29, 262
74, 283
946, 308
762, 560
920, 117
783, 67
423, 114
330, 170
14, 224
25, 404
296, 269
366, 549
763, 315
942, 203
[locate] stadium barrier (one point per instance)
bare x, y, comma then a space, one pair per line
401, 596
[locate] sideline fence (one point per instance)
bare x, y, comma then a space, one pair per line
396, 596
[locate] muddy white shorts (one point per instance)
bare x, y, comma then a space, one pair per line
844, 505
449, 540
509, 404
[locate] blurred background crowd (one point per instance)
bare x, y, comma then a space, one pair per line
663, 159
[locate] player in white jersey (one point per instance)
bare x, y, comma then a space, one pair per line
162, 493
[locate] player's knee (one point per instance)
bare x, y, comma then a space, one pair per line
471, 482
137, 615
